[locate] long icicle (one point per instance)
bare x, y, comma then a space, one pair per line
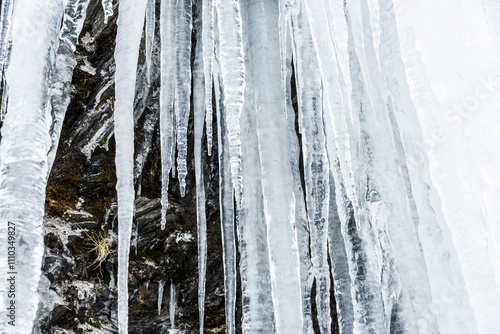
257, 304
208, 60
130, 26
199, 118
167, 141
6, 31
275, 155
316, 170
183, 86
5, 48
302, 226
23, 154
150, 36
232, 68
226, 200
316, 175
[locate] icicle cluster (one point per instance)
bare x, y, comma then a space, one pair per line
321, 111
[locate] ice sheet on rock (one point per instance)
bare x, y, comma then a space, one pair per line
232, 72
275, 155
23, 155
74, 16
182, 86
100, 110
167, 140
130, 26
208, 13
148, 130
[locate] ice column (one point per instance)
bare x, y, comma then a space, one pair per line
226, 199
182, 86
23, 154
232, 72
167, 141
130, 26
5, 49
316, 170
257, 304
275, 156
199, 118
150, 36
208, 59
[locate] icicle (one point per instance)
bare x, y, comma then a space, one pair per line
167, 141
5, 49
316, 169
340, 264
23, 158
107, 6
183, 86
172, 306
150, 36
5, 98
232, 69
337, 126
208, 59
130, 26
283, 24
441, 259
302, 228
275, 155
161, 285
255, 272
201, 219
226, 200
257, 304
74, 17
6, 33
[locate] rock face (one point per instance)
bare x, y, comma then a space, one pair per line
80, 258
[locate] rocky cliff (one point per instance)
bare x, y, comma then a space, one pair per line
80, 257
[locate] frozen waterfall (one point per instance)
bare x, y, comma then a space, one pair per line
357, 154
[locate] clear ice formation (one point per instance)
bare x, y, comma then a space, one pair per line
356, 145
130, 26
161, 286
24, 166
199, 121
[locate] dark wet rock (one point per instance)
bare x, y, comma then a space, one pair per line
80, 263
